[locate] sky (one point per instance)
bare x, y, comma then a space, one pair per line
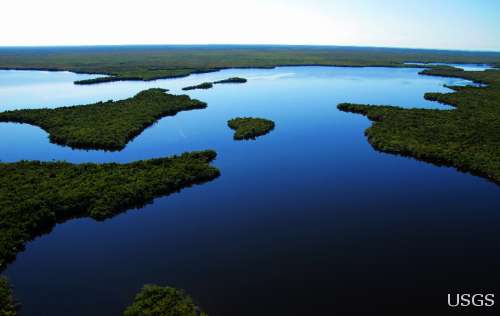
448, 24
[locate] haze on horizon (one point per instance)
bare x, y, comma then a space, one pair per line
442, 24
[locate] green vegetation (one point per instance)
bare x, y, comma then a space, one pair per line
144, 75
104, 125
231, 80
465, 137
7, 303
208, 85
34, 195
154, 300
249, 127
205, 85
154, 62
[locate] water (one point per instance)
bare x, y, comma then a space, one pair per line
306, 220
466, 67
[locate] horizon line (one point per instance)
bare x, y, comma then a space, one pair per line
272, 45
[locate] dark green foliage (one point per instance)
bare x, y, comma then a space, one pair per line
154, 300
144, 75
34, 195
104, 125
249, 127
231, 80
105, 79
154, 62
208, 85
466, 137
7, 303
205, 85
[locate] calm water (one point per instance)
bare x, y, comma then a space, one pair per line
466, 67
306, 220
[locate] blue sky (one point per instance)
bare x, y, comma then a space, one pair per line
457, 24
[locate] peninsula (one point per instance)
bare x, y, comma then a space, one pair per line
465, 138
104, 125
35, 195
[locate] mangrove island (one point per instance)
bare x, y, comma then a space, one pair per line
208, 85
162, 301
231, 80
249, 127
204, 85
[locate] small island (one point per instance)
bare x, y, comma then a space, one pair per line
104, 80
162, 301
231, 80
35, 195
205, 85
249, 127
151, 300
209, 85
104, 125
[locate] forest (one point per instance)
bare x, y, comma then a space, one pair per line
35, 195
8, 305
149, 62
162, 301
465, 137
104, 125
250, 127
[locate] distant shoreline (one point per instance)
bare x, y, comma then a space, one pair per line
114, 78
146, 63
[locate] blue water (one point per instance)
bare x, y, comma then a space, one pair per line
466, 67
306, 220
297, 98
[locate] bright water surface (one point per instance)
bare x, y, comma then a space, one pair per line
307, 220
466, 67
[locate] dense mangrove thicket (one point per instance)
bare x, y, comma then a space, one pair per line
204, 85
104, 125
154, 62
466, 137
154, 300
231, 80
250, 127
7, 303
34, 195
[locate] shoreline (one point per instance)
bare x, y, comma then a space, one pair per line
110, 77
